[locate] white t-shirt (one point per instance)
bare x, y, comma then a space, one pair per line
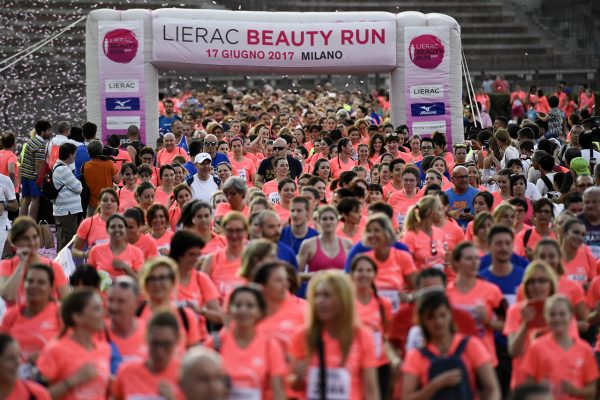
7, 193
510, 153
585, 153
203, 190
541, 185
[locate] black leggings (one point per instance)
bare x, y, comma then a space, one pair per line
384, 374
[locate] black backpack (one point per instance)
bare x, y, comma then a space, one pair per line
441, 364
47, 187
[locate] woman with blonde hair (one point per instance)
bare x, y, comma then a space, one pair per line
255, 252
159, 280
504, 214
426, 242
525, 319
333, 347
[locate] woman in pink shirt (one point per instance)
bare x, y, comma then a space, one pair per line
183, 195
578, 260
197, 217
12, 386
158, 374
127, 192
77, 362
117, 257
426, 241
158, 220
164, 192
253, 359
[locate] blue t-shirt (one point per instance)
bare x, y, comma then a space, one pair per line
191, 168
164, 123
515, 259
285, 253
462, 201
288, 237
219, 158
183, 144
508, 286
359, 248
81, 156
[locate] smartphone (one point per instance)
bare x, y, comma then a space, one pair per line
486, 144
467, 210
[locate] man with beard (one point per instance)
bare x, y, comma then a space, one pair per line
270, 229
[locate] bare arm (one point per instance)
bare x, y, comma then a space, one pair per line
77, 249
371, 388
489, 382
12, 173
13, 205
278, 388
207, 265
9, 286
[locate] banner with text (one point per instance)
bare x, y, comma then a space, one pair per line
121, 71
273, 45
427, 80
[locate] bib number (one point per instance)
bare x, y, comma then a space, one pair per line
244, 394
393, 296
337, 386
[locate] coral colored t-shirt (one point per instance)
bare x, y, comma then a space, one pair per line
217, 242
245, 169
282, 325
573, 291
7, 268
102, 257
389, 189
284, 215
251, 368
428, 252
270, 189
135, 381
92, 230
28, 390
392, 273
199, 290
474, 356
163, 242
126, 199
547, 361
535, 237
162, 197
8, 157
349, 375
147, 245
62, 358
582, 268
189, 336
400, 203
225, 273
224, 208
34, 333
134, 346
485, 294
370, 316
512, 324
165, 157
174, 214
337, 166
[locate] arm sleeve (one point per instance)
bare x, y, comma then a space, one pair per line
207, 287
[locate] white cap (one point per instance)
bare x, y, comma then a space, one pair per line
201, 157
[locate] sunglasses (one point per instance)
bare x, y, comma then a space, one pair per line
277, 148
211, 143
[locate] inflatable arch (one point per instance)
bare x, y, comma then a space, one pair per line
125, 50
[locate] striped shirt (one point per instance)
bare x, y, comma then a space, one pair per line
35, 150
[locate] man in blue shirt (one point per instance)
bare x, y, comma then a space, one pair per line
195, 149
211, 145
165, 121
461, 197
293, 235
81, 154
270, 229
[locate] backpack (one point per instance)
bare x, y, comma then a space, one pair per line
441, 364
547, 182
47, 186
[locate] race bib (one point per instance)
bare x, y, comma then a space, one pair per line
393, 296
595, 251
578, 277
510, 298
243, 174
274, 198
400, 219
337, 386
378, 340
237, 393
